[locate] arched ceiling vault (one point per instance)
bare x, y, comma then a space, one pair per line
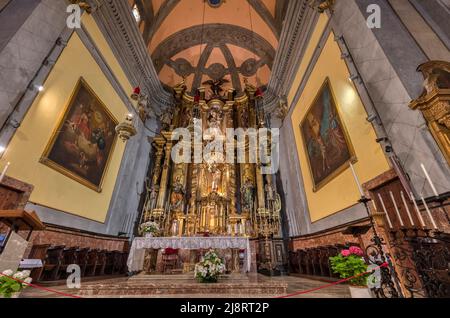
211, 39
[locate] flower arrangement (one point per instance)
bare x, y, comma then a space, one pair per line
209, 268
11, 283
350, 263
149, 228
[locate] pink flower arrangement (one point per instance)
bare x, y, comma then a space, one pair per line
353, 250
345, 253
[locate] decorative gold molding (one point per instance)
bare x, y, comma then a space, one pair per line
434, 103
322, 5
83, 5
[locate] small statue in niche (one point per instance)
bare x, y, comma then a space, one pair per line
215, 117
156, 174
152, 195
216, 176
270, 192
166, 119
247, 195
176, 198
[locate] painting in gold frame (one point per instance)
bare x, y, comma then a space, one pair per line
83, 141
326, 142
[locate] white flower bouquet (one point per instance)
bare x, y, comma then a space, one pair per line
12, 283
209, 268
149, 228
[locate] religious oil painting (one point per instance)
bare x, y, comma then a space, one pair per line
84, 139
325, 139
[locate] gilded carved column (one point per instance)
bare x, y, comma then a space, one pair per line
231, 167
160, 208
154, 187
434, 103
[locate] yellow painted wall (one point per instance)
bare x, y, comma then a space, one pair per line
341, 192
53, 189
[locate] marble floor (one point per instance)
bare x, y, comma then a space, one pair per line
294, 285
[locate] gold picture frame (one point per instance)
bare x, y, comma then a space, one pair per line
84, 139
341, 133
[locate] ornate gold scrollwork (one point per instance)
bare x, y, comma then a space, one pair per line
434, 103
322, 5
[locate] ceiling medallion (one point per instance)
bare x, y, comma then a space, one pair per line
215, 3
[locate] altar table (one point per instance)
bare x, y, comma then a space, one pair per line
137, 252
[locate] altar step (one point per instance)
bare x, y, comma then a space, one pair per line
180, 278
185, 284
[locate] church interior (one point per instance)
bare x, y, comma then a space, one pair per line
238, 148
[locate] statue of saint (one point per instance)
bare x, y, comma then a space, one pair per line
166, 119
247, 195
214, 117
270, 192
216, 176
153, 197
176, 198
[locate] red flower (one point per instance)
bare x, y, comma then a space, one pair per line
137, 90
196, 98
345, 253
258, 93
355, 250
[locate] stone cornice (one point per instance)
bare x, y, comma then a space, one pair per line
298, 27
117, 24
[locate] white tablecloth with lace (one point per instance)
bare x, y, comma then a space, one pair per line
140, 244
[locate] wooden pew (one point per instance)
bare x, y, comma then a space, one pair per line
82, 258
91, 263
101, 263
38, 252
52, 262
109, 263
69, 256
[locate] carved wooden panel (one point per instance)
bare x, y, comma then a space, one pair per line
14, 194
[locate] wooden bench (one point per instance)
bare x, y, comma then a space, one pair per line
38, 252
52, 263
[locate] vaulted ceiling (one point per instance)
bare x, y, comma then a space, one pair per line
211, 39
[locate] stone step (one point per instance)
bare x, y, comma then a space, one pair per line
142, 285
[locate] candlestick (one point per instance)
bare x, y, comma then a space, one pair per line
429, 180
385, 211
396, 209
4, 171
419, 215
356, 180
374, 205
407, 209
429, 213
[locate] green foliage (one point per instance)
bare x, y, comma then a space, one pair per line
11, 282
9, 286
348, 266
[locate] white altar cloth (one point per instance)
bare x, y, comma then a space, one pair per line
137, 252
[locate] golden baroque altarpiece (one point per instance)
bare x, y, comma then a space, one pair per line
214, 197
